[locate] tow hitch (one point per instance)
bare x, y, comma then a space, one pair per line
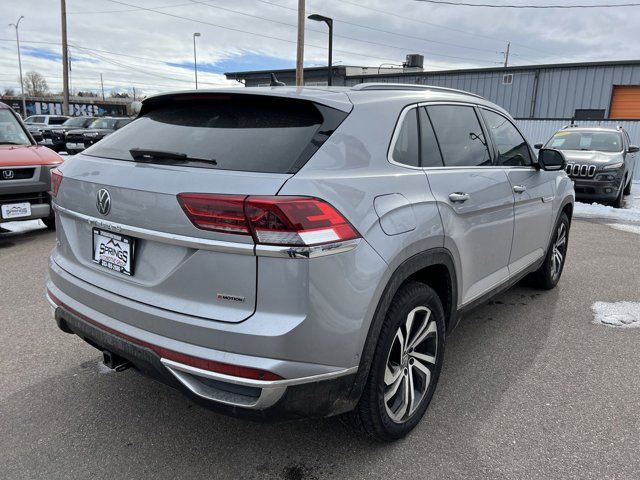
115, 362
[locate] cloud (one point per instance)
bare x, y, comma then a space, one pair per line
153, 51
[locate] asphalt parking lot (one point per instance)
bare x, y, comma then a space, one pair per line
531, 388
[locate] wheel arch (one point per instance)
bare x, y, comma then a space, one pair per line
426, 267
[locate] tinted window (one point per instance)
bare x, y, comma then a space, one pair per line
429, 150
57, 120
240, 132
405, 150
586, 140
122, 123
10, 130
76, 122
460, 135
512, 147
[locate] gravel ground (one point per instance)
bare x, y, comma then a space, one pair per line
531, 388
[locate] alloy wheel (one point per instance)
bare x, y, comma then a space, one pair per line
559, 250
410, 363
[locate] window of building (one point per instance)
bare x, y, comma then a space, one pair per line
507, 79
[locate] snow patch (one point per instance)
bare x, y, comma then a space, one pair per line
618, 314
24, 226
102, 368
625, 227
629, 213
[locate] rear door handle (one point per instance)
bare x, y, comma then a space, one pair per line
519, 188
458, 197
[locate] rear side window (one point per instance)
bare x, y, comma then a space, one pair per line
512, 147
240, 132
405, 150
429, 149
57, 120
460, 135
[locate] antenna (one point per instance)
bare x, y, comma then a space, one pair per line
275, 82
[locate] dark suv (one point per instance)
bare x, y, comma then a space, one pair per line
53, 136
78, 140
600, 161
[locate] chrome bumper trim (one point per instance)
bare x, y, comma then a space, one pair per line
306, 252
163, 237
213, 245
270, 391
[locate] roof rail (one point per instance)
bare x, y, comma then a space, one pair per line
409, 86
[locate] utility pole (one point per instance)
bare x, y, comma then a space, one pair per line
300, 50
65, 60
506, 55
24, 102
195, 58
102, 86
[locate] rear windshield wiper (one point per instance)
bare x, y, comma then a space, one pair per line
156, 156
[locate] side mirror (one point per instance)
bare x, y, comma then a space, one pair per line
551, 160
633, 149
538, 146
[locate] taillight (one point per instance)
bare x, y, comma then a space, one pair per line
220, 213
56, 180
271, 220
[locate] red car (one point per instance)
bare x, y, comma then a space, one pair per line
25, 172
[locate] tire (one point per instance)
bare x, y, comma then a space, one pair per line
391, 420
549, 273
627, 189
619, 201
50, 221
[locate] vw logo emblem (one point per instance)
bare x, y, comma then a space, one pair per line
103, 203
7, 174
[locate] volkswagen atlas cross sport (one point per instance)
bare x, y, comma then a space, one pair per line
278, 253
600, 161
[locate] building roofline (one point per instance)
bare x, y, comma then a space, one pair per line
444, 72
287, 70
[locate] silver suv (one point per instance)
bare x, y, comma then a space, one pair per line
285, 253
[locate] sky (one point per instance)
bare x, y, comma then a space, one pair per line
148, 45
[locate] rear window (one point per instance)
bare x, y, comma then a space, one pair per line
57, 120
240, 132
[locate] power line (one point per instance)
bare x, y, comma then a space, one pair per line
404, 49
393, 14
246, 32
540, 7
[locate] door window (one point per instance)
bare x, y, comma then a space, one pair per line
405, 150
429, 149
513, 150
460, 135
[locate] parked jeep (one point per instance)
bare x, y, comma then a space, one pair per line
600, 161
25, 172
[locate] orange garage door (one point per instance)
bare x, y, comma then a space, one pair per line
625, 102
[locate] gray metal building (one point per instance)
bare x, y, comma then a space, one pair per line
596, 90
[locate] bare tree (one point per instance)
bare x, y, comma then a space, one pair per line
9, 92
35, 84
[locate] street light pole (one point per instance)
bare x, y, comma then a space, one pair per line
329, 22
24, 102
195, 58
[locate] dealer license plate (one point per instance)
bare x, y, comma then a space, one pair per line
113, 251
16, 210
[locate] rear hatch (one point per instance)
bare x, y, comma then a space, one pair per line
238, 144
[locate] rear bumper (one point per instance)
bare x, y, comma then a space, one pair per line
312, 396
